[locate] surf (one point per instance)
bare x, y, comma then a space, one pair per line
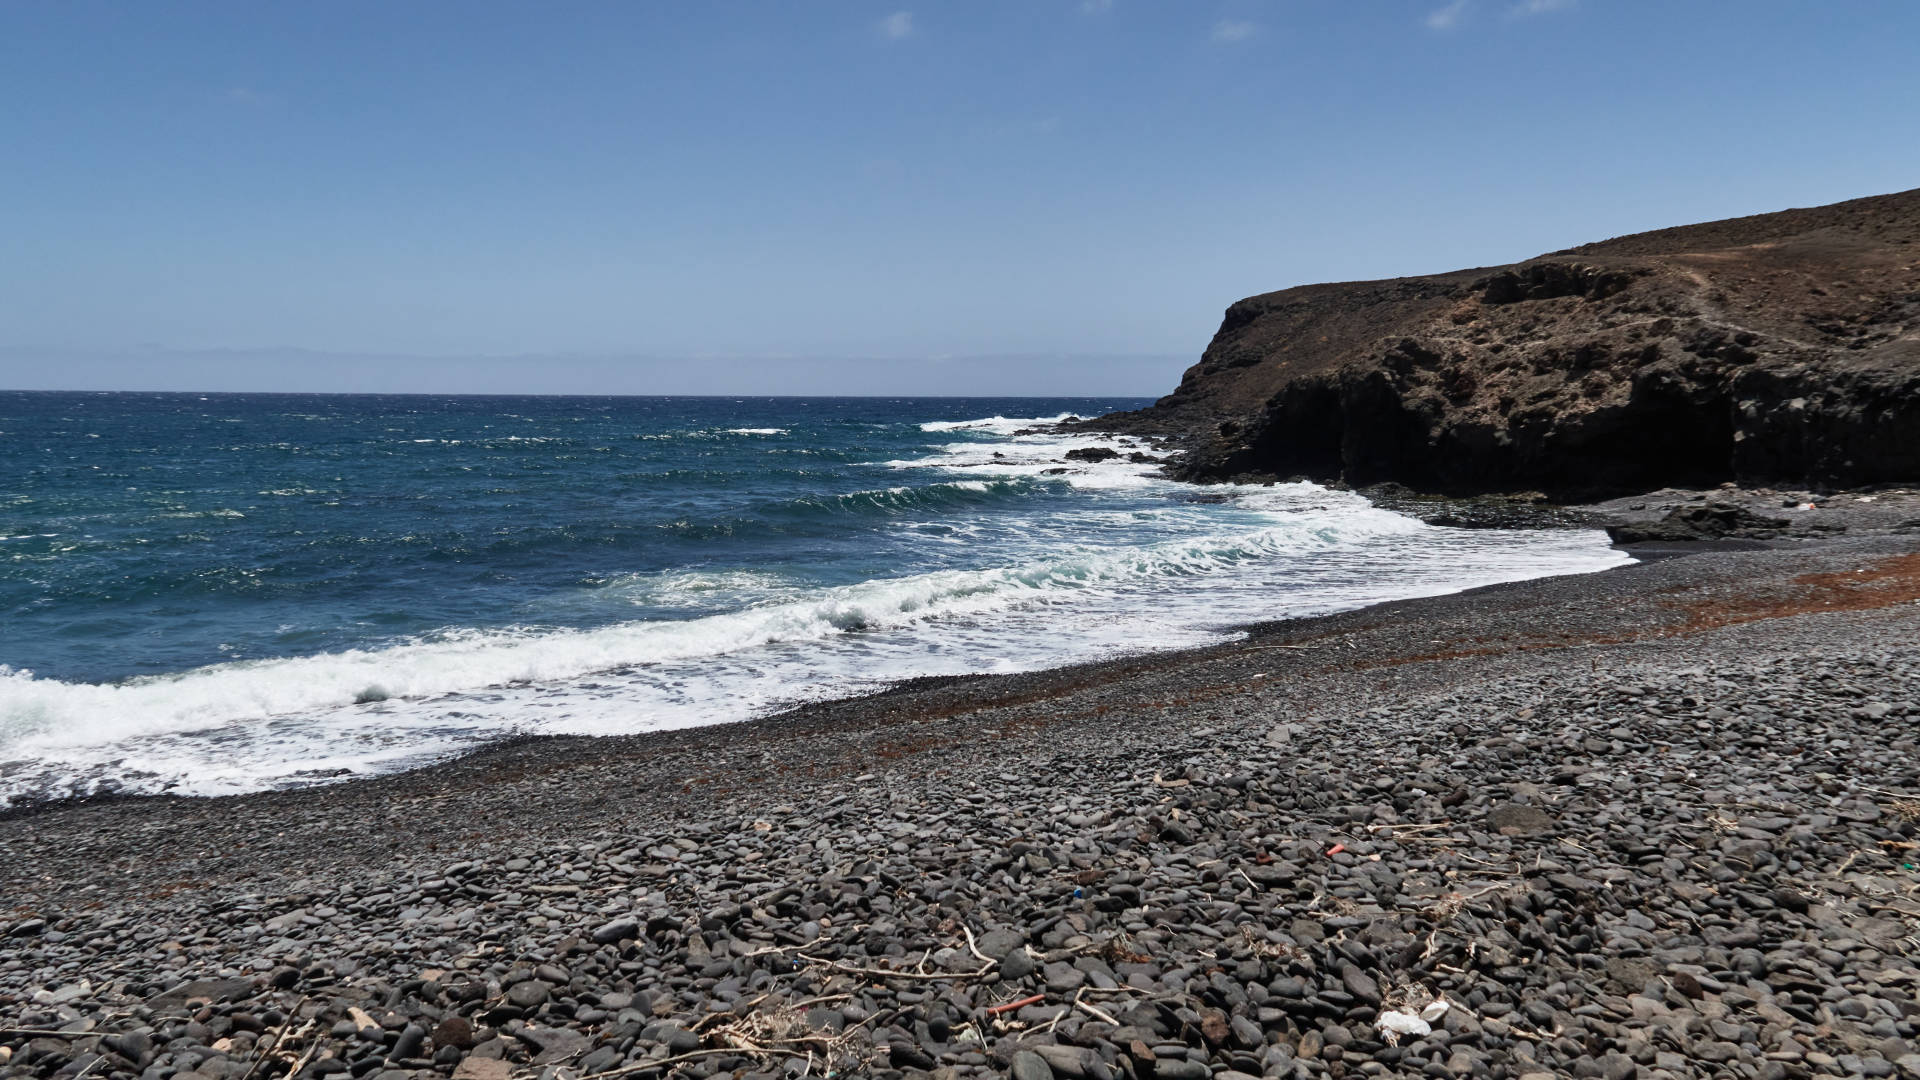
412, 580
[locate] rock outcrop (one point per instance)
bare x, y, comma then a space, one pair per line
1776, 349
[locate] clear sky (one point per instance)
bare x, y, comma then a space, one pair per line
654, 196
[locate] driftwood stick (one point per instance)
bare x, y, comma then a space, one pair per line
1096, 1013
644, 1066
1020, 1004
973, 948
817, 1001
260, 1053
1055, 1022
884, 973
302, 1061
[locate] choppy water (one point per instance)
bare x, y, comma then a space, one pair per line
222, 593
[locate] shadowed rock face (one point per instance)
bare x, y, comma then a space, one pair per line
1777, 349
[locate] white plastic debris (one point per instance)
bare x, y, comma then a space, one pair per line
1397, 1023
1434, 1010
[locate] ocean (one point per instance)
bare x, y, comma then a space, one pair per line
212, 594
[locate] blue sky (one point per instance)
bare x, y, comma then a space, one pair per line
724, 195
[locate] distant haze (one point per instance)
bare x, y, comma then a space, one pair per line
286, 370
367, 195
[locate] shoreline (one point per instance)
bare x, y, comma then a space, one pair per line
29, 806
863, 724
907, 687
993, 688
998, 689
1846, 511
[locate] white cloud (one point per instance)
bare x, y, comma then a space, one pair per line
1447, 17
1233, 30
897, 26
1095, 7
1541, 7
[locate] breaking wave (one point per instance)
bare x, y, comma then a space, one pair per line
36, 714
669, 578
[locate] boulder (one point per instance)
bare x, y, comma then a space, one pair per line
1710, 522
1091, 453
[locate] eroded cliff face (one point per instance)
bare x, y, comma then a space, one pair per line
1779, 349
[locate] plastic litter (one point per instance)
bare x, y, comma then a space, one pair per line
1393, 1023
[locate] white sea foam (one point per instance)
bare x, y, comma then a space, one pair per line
248, 724
755, 430
1068, 586
41, 714
1041, 455
696, 589
998, 425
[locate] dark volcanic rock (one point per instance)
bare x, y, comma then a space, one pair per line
1091, 453
1777, 349
1701, 523
610, 932
1515, 819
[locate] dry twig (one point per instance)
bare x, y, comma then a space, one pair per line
1021, 1003
261, 1054
885, 973
1097, 1014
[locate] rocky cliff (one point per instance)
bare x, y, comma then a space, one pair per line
1776, 349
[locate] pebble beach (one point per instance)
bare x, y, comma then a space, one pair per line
1654, 822
953, 541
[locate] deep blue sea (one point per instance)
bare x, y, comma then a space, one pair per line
219, 593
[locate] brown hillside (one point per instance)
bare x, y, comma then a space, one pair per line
1778, 348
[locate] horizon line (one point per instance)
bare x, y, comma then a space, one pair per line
700, 397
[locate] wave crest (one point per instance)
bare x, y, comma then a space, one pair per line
997, 425
909, 499
39, 714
